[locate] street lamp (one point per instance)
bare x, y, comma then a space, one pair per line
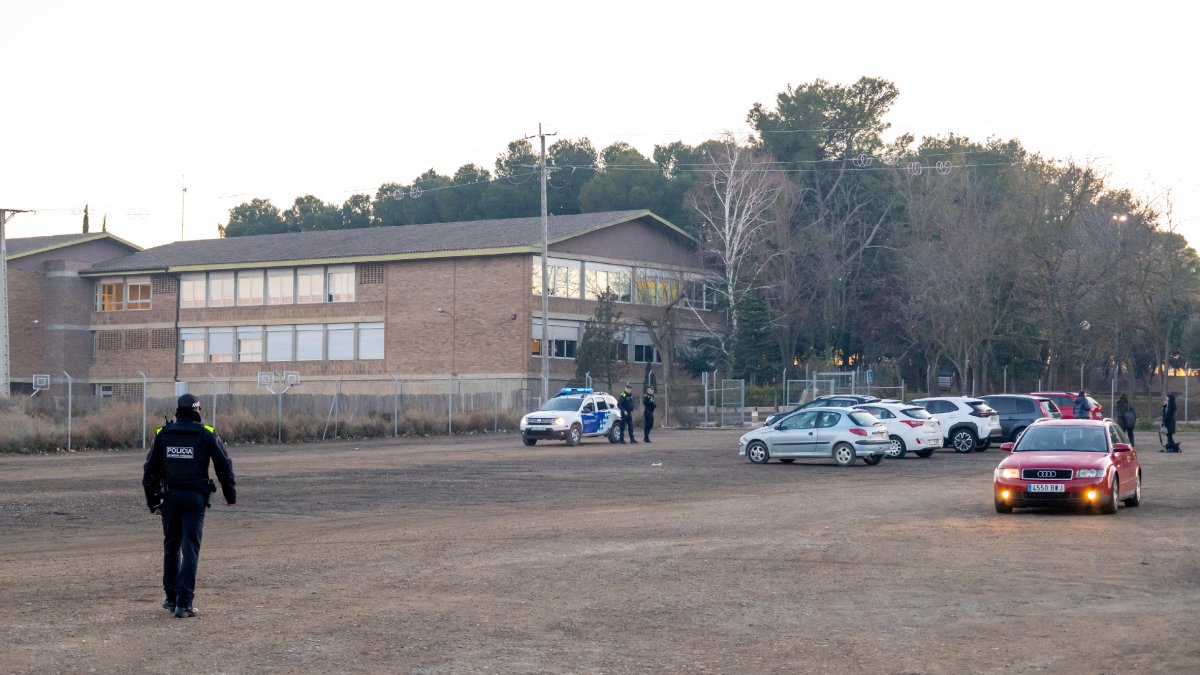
450, 377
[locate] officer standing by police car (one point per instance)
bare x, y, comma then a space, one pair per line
648, 406
177, 486
625, 405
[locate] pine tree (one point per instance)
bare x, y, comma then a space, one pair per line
599, 349
755, 352
104, 223
85, 218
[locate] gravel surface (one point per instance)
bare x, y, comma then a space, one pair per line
478, 554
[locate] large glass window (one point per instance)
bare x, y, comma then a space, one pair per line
279, 343
341, 341
310, 342
281, 286
250, 343
601, 278
191, 345
250, 287
191, 289
564, 276
370, 341
310, 284
110, 296
220, 345
341, 283
220, 289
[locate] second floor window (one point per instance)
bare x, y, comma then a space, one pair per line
220, 289
310, 284
118, 295
250, 287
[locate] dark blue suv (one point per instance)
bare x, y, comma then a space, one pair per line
1018, 411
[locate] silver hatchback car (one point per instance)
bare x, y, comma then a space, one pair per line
840, 433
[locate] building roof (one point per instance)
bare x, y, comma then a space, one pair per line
432, 240
23, 246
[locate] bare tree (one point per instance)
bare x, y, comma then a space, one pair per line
738, 200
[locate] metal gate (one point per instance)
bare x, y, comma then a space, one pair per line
731, 407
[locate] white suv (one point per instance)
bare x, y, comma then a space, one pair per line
571, 415
910, 427
968, 423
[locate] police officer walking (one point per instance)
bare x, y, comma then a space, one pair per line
625, 405
648, 406
175, 479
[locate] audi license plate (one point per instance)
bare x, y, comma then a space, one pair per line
1046, 487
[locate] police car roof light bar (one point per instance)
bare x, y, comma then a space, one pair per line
570, 391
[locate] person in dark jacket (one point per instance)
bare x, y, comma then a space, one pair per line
625, 405
175, 479
1082, 409
1126, 416
648, 406
1168, 422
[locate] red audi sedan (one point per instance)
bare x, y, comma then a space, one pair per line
1081, 463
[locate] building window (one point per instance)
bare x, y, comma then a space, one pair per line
562, 349
221, 290
111, 296
370, 341
646, 354
137, 293
310, 284
191, 345
341, 283
250, 287
341, 341
220, 345
310, 342
537, 346
191, 289
599, 279
281, 286
250, 344
653, 289
563, 275
104, 390
279, 343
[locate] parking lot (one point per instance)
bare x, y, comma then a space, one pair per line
478, 554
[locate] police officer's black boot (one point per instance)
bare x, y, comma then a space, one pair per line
186, 612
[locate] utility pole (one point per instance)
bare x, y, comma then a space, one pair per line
5, 373
545, 275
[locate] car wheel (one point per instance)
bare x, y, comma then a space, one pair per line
897, 449
529, 441
1136, 499
843, 454
927, 452
982, 445
1001, 507
574, 435
788, 460
873, 460
612, 434
757, 453
1109, 506
1017, 434
963, 440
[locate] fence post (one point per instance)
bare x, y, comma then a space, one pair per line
214, 397
449, 404
395, 406
144, 409
70, 392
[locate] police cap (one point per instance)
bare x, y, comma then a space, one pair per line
188, 402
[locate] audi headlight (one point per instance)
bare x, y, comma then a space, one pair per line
1010, 472
1089, 473
560, 421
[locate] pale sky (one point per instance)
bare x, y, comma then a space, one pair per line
120, 104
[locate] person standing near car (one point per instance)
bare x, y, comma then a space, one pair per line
1126, 416
648, 406
625, 405
1082, 409
1168, 423
175, 479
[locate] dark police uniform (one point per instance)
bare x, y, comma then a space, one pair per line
175, 479
648, 406
625, 405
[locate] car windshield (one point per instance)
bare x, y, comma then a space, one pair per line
562, 403
1038, 438
863, 418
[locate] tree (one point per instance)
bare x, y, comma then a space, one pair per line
258, 216
599, 351
737, 201
85, 218
628, 181
463, 200
310, 214
573, 164
357, 212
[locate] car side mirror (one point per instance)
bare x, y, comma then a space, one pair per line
1006, 447
1122, 447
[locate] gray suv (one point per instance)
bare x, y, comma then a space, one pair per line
1018, 411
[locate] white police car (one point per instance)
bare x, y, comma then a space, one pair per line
572, 414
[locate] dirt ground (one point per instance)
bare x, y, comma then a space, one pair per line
481, 555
